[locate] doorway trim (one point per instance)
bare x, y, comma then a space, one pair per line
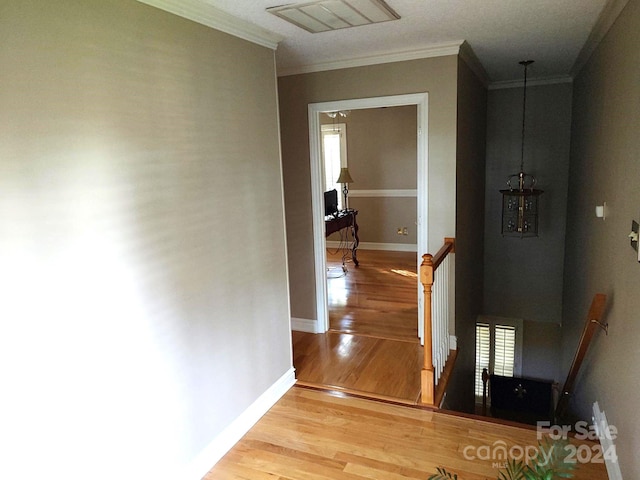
421, 100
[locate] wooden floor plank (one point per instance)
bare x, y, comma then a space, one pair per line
372, 346
374, 366
315, 435
378, 299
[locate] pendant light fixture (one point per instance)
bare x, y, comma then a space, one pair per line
520, 200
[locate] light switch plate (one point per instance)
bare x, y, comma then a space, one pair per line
635, 228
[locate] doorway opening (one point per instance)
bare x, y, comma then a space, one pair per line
318, 181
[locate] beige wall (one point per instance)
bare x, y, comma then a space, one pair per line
142, 252
380, 218
605, 167
437, 76
382, 147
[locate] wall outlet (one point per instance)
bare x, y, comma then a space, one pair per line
405, 231
399, 230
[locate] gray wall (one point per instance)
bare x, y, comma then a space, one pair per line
605, 167
437, 76
523, 278
142, 251
541, 351
470, 172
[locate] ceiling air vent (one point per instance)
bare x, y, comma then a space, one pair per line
327, 15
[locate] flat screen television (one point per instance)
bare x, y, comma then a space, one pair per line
330, 202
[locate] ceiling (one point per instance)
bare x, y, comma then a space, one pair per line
500, 32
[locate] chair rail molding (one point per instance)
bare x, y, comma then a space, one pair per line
382, 192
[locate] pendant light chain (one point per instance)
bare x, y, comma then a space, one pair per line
520, 203
526, 63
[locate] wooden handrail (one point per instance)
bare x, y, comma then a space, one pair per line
446, 249
593, 323
427, 269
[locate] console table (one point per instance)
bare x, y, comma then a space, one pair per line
344, 219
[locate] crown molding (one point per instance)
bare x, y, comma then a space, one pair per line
609, 14
531, 82
438, 50
468, 55
210, 16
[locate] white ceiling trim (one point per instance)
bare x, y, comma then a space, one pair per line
531, 83
606, 19
438, 50
210, 16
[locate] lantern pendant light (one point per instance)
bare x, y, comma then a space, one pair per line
520, 200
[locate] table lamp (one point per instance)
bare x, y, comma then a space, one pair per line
344, 178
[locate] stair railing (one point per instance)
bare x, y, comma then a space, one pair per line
435, 278
594, 321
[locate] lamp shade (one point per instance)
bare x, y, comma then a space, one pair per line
344, 176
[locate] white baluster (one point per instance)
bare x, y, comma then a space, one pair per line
434, 323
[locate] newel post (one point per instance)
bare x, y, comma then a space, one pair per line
427, 374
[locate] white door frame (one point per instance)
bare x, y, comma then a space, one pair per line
421, 100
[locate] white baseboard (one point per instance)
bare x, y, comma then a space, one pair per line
396, 247
606, 440
220, 445
304, 325
453, 342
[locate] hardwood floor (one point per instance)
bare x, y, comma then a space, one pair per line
316, 435
374, 367
370, 350
372, 347
379, 298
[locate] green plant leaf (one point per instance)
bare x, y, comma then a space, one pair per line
514, 470
548, 463
443, 475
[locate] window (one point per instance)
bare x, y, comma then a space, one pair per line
483, 353
334, 156
498, 348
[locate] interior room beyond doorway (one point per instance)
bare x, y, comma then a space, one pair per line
377, 299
